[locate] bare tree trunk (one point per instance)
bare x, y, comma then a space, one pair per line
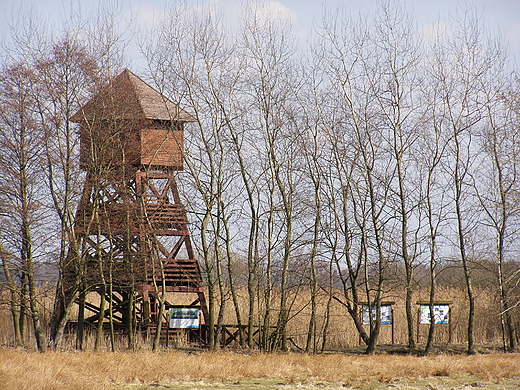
325, 329
81, 318
457, 181
375, 326
219, 274
158, 325
13, 295
212, 337
311, 150
35, 312
231, 277
24, 305
102, 288
252, 245
268, 289
27, 252
131, 324
436, 147
101, 317
111, 309
433, 260
283, 316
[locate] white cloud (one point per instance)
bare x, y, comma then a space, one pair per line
231, 11
272, 8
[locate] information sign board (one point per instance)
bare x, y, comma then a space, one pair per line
386, 314
184, 318
441, 314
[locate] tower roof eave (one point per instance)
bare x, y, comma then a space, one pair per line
127, 96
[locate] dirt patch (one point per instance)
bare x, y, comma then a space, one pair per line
431, 383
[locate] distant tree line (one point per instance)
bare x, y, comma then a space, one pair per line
339, 167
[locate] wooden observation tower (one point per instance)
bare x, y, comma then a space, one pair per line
131, 244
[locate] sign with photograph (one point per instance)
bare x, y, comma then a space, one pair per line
386, 314
184, 318
441, 314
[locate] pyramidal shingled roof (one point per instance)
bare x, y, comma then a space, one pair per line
127, 96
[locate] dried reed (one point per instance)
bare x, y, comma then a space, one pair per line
341, 333
87, 370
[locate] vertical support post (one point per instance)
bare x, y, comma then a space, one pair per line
167, 335
418, 323
361, 320
145, 315
392, 323
449, 326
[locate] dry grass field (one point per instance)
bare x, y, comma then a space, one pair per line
343, 367
228, 370
341, 334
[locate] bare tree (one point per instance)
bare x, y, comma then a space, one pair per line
433, 144
365, 172
203, 78
272, 78
460, 67
312, 148
14, 297
497, 187
395, 81
21, 167
65, 77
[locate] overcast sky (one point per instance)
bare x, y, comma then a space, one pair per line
498, 15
